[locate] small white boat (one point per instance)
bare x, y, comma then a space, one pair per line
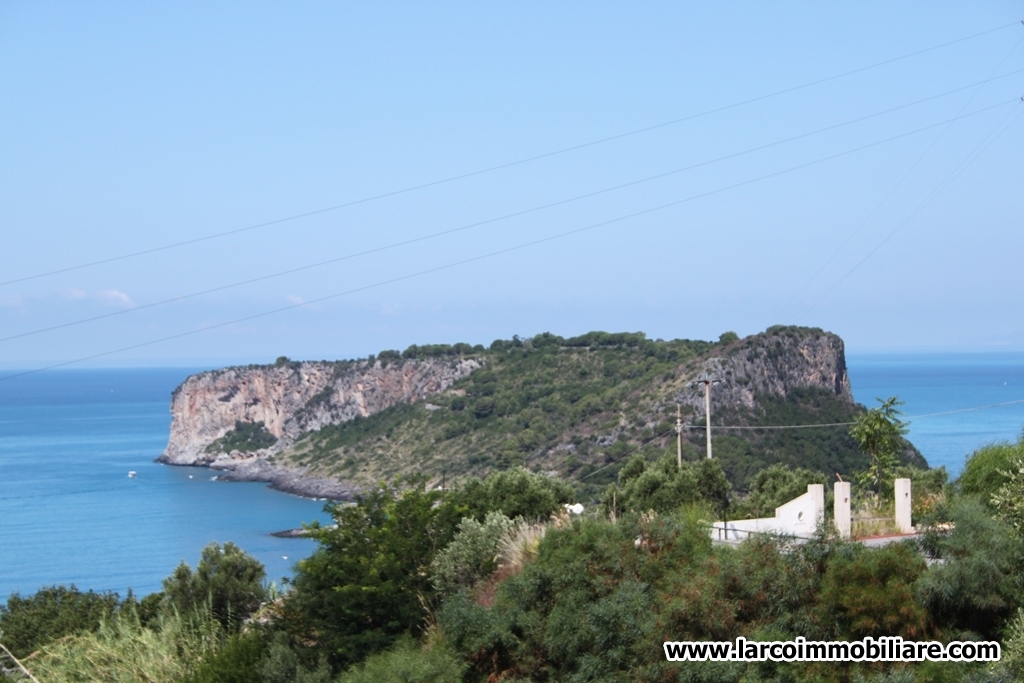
132, 474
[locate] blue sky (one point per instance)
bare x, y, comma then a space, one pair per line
130, 127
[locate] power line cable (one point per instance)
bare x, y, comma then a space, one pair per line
892, 191
510, 164
983, 145
632, 452
652, 440
498, 252
895, 187
515, 214
849, 424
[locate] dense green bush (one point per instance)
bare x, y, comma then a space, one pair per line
516, 492
236, 661
50, 613
470, 556
773, 486
585, 607
367, 582
985, 470
226, 581
978, 585
409, 663
664, 486
246, 437
870, 592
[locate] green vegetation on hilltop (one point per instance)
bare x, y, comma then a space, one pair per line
575, 406
530, 397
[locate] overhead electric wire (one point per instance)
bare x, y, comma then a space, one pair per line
632, 452
899, 183
488, 221
992, 136
510, 164
652, 440
850, 424
498, 252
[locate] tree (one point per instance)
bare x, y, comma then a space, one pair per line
51, 613
988, 468
1008, 501
367, 582
663, 486
226, 579
516, 492
775, 485
470, 556
879, 433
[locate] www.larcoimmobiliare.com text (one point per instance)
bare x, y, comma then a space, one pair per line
884, 649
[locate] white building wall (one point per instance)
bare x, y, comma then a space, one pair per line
799, 517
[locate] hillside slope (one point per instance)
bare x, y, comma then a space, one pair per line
574, 407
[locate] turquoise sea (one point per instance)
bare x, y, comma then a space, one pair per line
966, 391
69, 513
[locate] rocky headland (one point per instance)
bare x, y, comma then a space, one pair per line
323, 429
286, 400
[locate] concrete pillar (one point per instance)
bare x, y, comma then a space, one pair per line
817, 492
841, 509
903, 501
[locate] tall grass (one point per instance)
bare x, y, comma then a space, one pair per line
518, 545
122, 650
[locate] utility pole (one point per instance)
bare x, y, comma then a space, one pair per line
679, 436
707, 381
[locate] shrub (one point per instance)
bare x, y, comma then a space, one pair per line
409, 663
663, 486
246, 436
366, 583
775, 485
226, 580
51, 613
470, 556
985, 469
237, 661
977, 587
870, 591
516, 492
121, 650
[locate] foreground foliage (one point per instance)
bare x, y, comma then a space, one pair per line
495, 581
51, 613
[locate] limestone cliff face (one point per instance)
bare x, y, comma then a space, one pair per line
771, 364
292, 398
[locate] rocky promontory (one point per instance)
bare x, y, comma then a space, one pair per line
568, 406
237, 419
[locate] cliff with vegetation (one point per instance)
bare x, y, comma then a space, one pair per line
238, 419
573, 407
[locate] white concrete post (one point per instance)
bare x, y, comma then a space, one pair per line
817, 492
903, 501
841, 509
